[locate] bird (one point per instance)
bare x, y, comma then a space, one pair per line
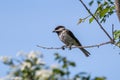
68, 38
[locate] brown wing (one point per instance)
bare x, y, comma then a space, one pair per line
82, 49
72, 35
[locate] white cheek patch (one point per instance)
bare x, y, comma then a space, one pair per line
60, 29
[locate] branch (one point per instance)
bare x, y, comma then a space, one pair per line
96, 20
113, 34
97, 45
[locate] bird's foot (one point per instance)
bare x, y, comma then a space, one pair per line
63, 47
69, 47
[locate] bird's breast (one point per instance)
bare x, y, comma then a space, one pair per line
67, 39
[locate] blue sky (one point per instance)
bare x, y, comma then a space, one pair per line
27, 23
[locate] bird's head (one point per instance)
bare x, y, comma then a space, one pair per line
59, 29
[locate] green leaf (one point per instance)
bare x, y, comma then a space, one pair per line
91, 20
65, 66
57, 56
116, 34
91, 2
72, 64
64, 60
100, 78
58, 71
118, 44
103, 12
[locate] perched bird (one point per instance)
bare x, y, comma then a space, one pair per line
68, 38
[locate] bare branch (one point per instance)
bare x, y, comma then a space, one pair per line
48, 47
113, 41
91, 46
96, 20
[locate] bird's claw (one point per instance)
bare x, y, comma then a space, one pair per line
63, 47
70, 48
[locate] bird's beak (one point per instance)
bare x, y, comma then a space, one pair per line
54, 31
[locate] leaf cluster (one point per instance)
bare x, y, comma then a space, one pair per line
104, 9
28, 67
117, 37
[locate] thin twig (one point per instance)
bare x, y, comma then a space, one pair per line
91, 46
48, 47
96, 20
113, 41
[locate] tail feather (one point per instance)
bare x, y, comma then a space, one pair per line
85, 52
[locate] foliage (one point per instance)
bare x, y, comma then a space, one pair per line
117, 37
31, 66
104, 9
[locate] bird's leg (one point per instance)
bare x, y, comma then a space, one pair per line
70, 47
